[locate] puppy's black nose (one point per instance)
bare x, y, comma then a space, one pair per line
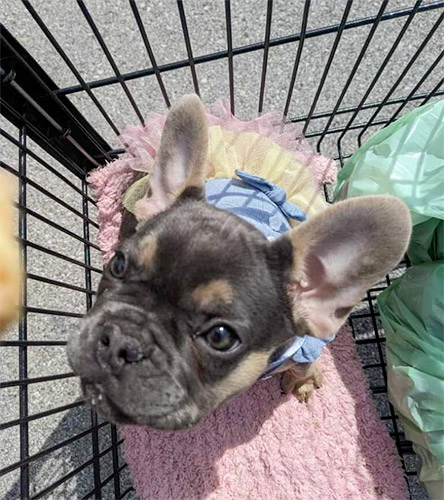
115, 350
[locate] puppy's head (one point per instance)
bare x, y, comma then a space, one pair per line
194, 305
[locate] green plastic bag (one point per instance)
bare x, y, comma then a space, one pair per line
406, 160
427, 243
412, 314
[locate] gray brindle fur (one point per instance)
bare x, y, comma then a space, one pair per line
146, 352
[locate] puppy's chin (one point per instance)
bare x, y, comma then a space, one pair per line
183, 417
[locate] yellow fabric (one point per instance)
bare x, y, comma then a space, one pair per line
259, 155
254, 153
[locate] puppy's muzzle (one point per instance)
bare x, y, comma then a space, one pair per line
115, 349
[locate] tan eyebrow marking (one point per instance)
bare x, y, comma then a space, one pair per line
211, 293
147, 250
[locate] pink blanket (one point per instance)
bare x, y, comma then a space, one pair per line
261, 445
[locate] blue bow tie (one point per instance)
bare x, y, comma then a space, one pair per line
256, 200
275, 193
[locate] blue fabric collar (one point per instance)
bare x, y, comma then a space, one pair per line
255, 200
264, 205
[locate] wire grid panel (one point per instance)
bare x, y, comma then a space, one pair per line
340, 69
49, 440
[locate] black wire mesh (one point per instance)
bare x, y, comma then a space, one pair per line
50, 147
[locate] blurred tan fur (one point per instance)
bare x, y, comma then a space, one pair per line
10, 273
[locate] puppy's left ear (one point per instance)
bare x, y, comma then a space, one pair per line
181, 161
339, 254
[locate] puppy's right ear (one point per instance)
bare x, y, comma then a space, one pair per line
339, 254
181, 162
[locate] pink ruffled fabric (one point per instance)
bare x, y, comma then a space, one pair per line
142, 142
109, 183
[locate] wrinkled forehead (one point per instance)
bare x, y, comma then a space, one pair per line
199, 246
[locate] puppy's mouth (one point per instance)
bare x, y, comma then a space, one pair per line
180, 417
97, 398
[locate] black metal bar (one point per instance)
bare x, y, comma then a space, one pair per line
407, 448
44, 191
150, 52
354, 70
298, 56
87, 248
21, 57
362, 315
328, 64
230, 53
128, 490
32, 343
378, 389
397, 432
372, 365
341, 159
58, 255
48, 451
70, 64
41, 139
369, 341
434, 92
416, 87
403, 73
374, 290
55, 225
88, 298
71, 474
117, 152
32, 102
110, 58
416, 8
411, 473
191, 60
265, 58
35, 380
23, 325
62, 284
251, 48
387, 417
374, 314
36, 416
42, 162
52, 312
113, 475
115, 455
65, 133
358, 126
350, 109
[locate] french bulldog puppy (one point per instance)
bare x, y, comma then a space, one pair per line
196, 302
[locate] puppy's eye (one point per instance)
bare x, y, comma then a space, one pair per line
222, 338
117, 266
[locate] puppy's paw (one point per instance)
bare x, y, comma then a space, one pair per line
303, 392
302, 380
318, 377
288, 383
